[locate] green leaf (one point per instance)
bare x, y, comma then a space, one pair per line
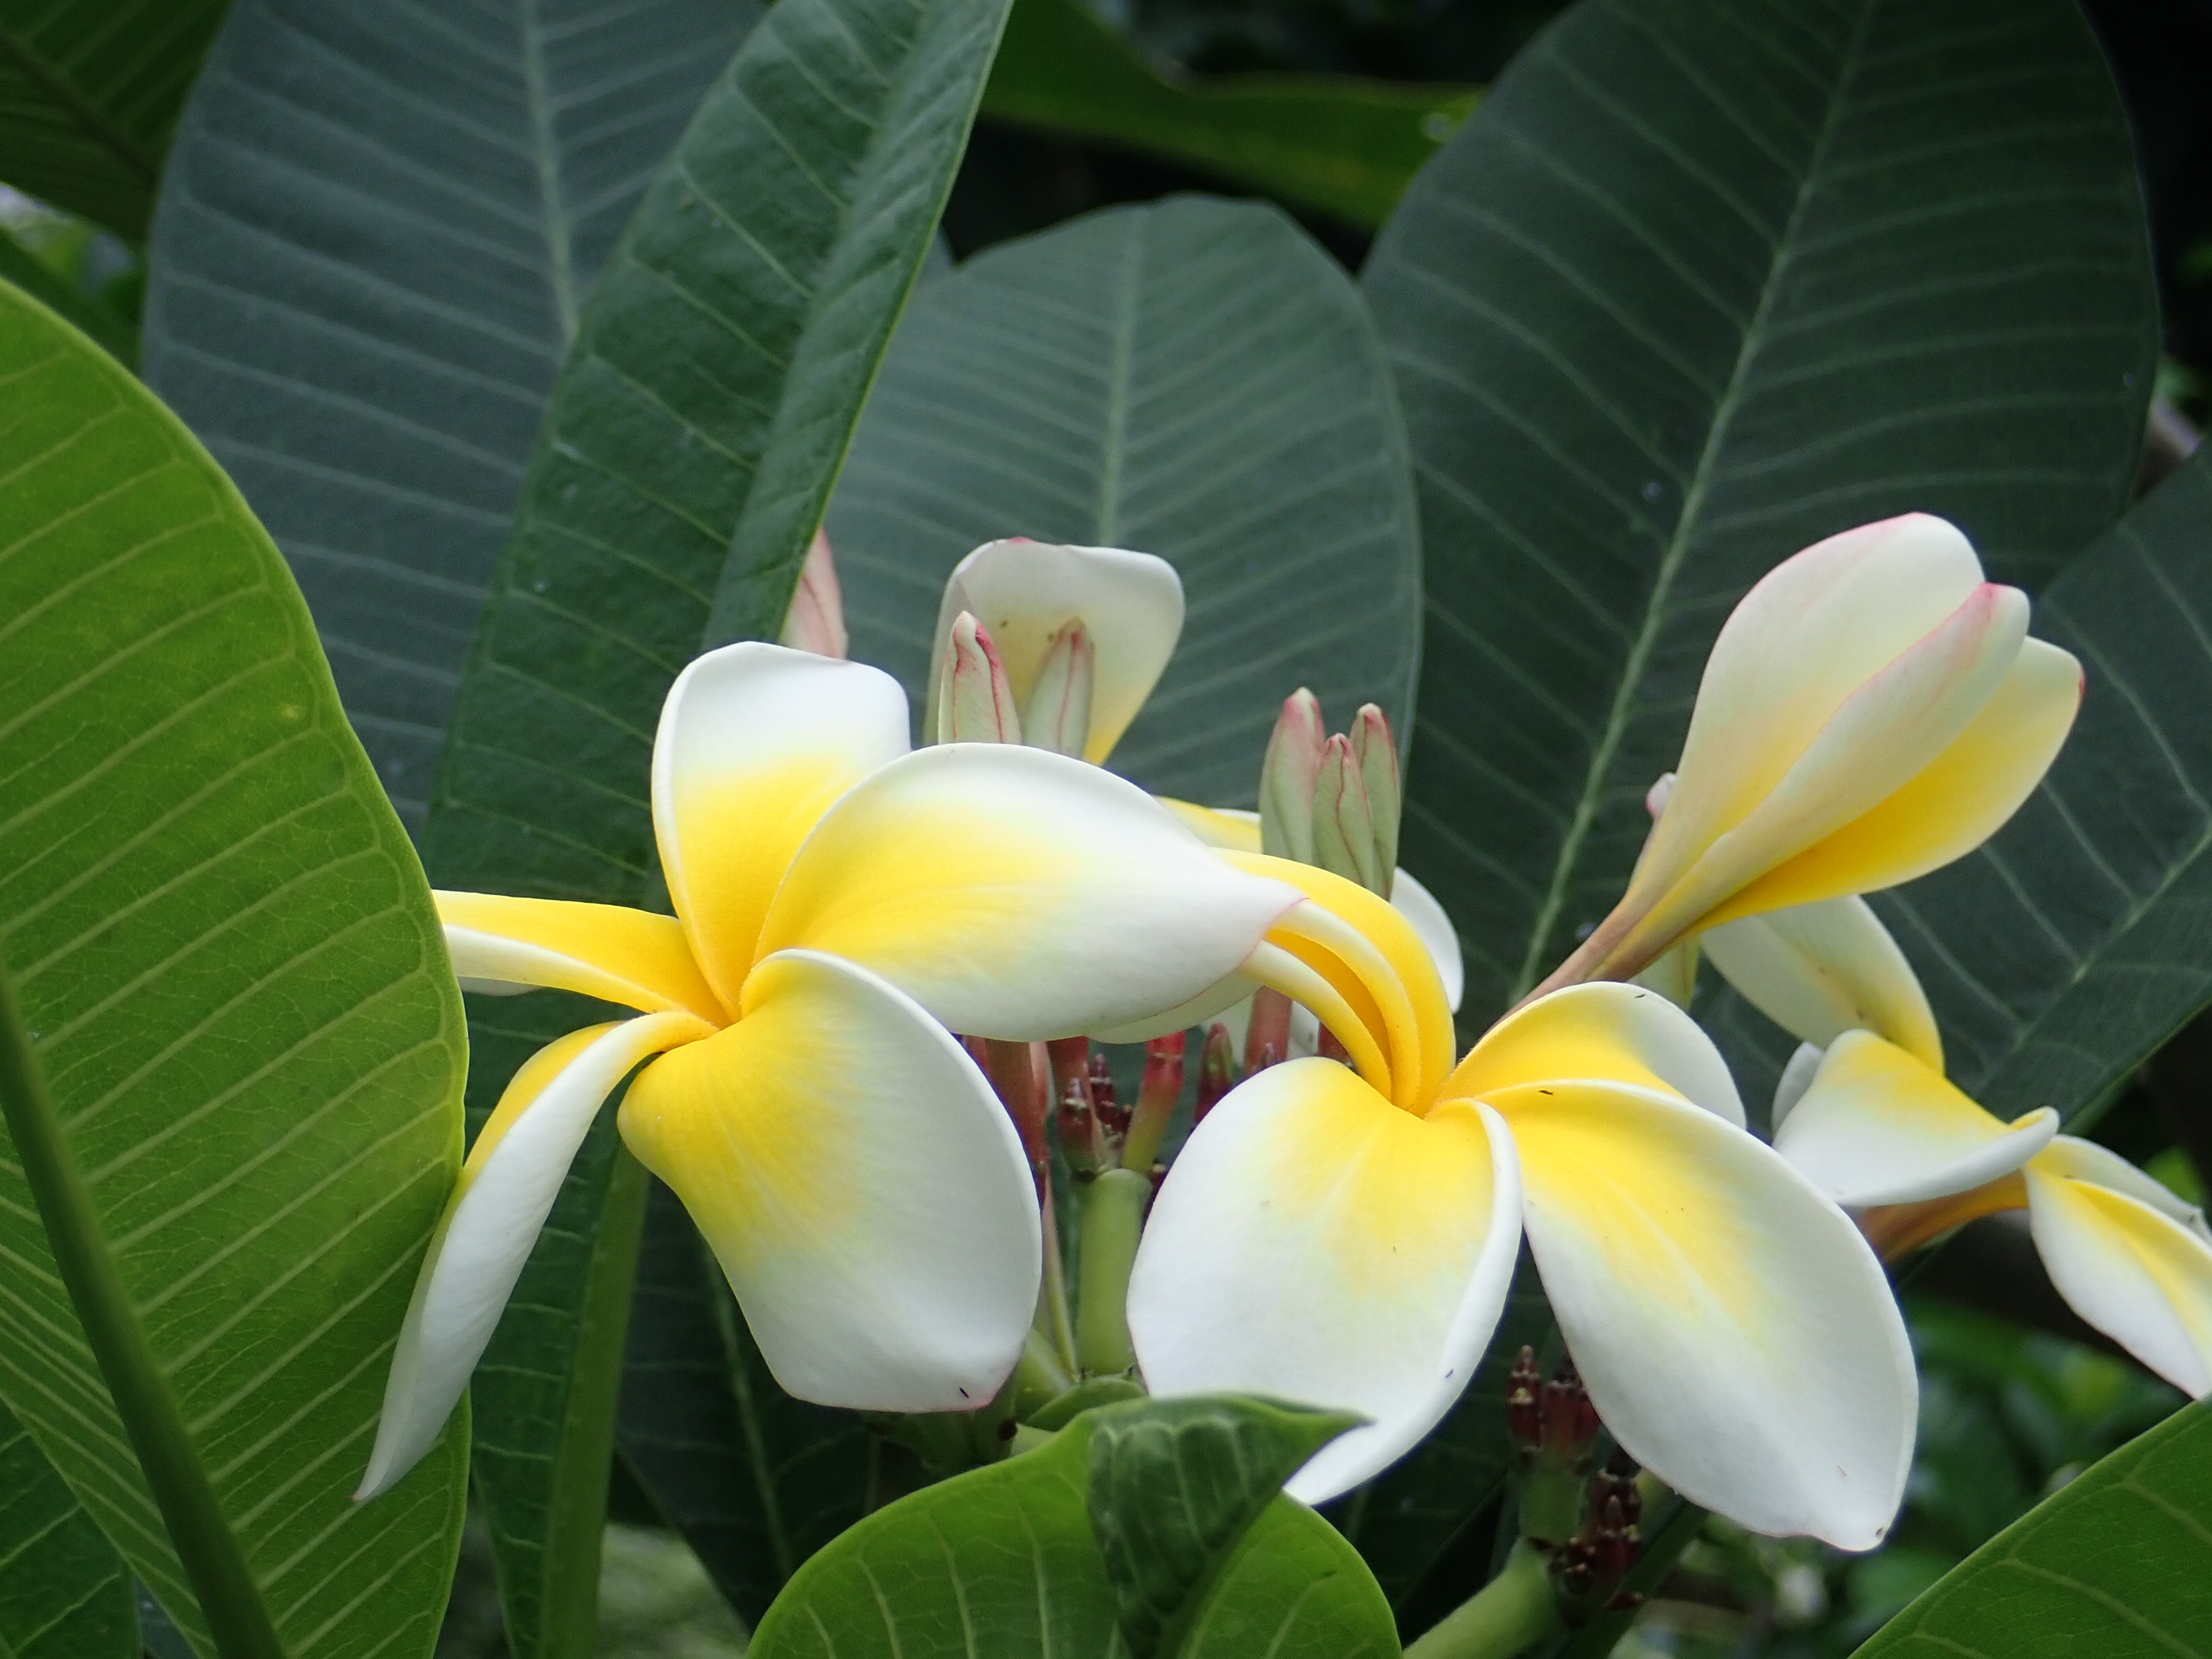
1699, 282
1174, 1484
89, 92
755, 1480
698, 425
250, 1039
1335, 142
64, 1593
1004, 1561
2117, 1562
1196, 380
378, 229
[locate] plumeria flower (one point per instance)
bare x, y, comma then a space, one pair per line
1059, 647
1872, 710
1346, 1236
839, 903
1865, 1111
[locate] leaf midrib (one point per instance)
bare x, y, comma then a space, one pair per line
1678, 544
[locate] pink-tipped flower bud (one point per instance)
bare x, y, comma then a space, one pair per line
1269, 1029
1113, 1117
1570, 1421
1070, 1059
816, 621
1217, 1070
1156, 1101
1287, 777
1343, 822
977, 705
1376, 752
1057, 715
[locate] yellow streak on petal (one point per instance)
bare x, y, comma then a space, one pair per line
1896, 1231
1276, 968
604, 951
1548, 1039
1232, 832
2176, 1262
529, 1082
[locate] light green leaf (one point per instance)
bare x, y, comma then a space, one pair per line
1004, 1561
1339, 144
89, 93
378, 229
1196, 380
698, 425
1699, 282
64, 1593
2117, 1563
249, 1038
755, 1480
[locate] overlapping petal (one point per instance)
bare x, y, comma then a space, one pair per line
1818, 971
1316, 1242
1016, 893
1733, 1330
859, 1182
1879, 1126
505, 1191
1023, 592
2129, 1268
756, 741
1604, 1031
630, 957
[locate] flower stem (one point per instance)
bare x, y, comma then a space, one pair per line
1510, 1615
1113, 1220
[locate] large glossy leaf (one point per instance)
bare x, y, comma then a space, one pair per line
376, 234
250, 1039
1700, 282
1196, 380
699, 422
64, 1593
1336, 142
89, 93
2118, 1563
1004, 1559
756, 1480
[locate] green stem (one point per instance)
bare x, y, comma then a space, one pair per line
1113, 1220
1053, 1321
1509, 1615
199, 1531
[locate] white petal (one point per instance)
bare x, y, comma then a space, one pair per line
1419, 906
506, 1189
754, 742
1878, 1127
1604, 1029
1804, 1065
1016, 893
1023, 591
861, 1184
1214, 1002
504, 945
2084, 1160
1314, 1242
1734, 1331
2134, 1272
1818, 971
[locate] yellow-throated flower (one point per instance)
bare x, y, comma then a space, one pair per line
1872, 710
839, 903
1865, 1111
1346, 1236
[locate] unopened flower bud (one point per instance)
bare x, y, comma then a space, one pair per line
1156, 1101
1217, 1070
1524, 1404
1269, 1029
1570, 1421
1343, 822
1057, 715
816, 621
1113, 1117
1376, 752
1287, 777
978, 704
1070, 1059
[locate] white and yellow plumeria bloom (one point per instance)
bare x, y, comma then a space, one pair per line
1867, 1113
1872, 710
1346, 1236
839, 903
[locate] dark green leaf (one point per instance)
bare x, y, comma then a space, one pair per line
1699, 282
756, 1480
89, 93
64, 1593
1344, 145
698, 425
36, 278
1196, 380
1003, 1560
251, 1041
1174, 1483
2117, 1563
377, 231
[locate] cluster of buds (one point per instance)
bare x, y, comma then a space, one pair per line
1097, 1131
1584, 1520
976, 695
1332, 801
